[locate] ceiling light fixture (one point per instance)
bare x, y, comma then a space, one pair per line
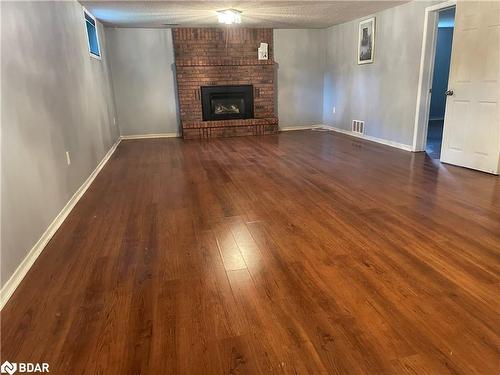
229, 16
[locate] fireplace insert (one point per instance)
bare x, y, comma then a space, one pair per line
227, 102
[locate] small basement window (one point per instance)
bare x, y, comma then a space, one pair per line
92, 37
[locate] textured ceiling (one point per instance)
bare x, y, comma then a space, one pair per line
274, 14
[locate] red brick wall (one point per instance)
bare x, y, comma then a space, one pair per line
219, 56
206, 46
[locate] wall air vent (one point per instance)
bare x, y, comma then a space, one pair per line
358, 126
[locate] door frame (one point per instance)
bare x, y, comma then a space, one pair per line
428, 52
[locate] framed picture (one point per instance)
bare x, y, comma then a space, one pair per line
366, 42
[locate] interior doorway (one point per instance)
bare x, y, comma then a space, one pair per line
441, 72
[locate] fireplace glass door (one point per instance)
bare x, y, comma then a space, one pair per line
227, 102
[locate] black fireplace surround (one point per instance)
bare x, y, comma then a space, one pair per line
227, 102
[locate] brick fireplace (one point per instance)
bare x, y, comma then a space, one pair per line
223, 89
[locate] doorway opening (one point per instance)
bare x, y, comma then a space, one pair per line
441, 72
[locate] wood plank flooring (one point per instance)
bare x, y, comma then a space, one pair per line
302, 253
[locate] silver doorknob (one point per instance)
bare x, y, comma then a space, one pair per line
448, 92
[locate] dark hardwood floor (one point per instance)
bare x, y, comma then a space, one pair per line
306, 252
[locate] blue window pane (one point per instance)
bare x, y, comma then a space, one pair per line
89, 19
93, 44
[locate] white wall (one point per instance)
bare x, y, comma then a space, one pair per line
383, 93
300, 55
142, 70
55, 98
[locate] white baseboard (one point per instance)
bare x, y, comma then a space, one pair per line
401, 146
21, 271
145, 136
306, 127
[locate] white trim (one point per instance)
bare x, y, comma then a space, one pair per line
21, 271
425, 74
94, 56
305, 127
144, 136
401, 146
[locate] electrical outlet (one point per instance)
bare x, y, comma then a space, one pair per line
68, 159
334, 110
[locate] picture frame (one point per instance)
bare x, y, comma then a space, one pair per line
366, 41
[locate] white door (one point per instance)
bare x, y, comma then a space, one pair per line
471, 135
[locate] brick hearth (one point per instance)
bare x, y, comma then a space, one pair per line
213, 56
